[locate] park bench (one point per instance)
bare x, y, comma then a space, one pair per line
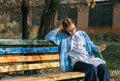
25, 56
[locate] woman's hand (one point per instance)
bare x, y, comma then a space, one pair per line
101, 47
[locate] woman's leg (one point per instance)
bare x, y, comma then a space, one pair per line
103, 73
88, 69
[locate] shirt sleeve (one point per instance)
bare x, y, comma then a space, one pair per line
91, 45
54, 36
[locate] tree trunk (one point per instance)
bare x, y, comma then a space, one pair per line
25, 12
48, 17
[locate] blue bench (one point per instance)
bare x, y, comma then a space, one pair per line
17, 55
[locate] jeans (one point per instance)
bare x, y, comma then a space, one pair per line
92, 73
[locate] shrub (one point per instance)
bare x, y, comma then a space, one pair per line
107, 37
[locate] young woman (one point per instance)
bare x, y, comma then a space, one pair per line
77, 51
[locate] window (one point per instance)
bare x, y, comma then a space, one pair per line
101, 15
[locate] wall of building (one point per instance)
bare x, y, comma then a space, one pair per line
116, 16
83, 16
83, 20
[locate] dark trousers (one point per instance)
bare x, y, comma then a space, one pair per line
92, 73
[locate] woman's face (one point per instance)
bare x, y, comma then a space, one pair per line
71, 29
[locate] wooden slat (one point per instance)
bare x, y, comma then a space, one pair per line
32, 58
51, 77
6, 42
21, 50
20, 67
66, 75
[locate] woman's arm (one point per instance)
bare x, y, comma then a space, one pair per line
54, 36
94, 47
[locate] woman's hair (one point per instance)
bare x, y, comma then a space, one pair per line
67, 22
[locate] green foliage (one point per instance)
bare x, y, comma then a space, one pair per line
10, 30
9, 4
12, 26
112, 56
107, 37
112, 51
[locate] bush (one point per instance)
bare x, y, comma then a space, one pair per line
107, 37
112, 52
112, 56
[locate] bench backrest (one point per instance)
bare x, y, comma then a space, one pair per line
19, 55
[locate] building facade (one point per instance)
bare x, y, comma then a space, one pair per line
104, 18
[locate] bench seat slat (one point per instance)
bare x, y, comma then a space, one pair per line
30, 58
20, 50
50, 77
23, 55
24, 42
20, 67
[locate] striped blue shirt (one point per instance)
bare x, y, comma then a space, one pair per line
64, 41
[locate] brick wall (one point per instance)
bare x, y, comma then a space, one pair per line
83, 17
116, 16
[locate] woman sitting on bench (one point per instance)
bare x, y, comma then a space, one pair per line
77, 51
